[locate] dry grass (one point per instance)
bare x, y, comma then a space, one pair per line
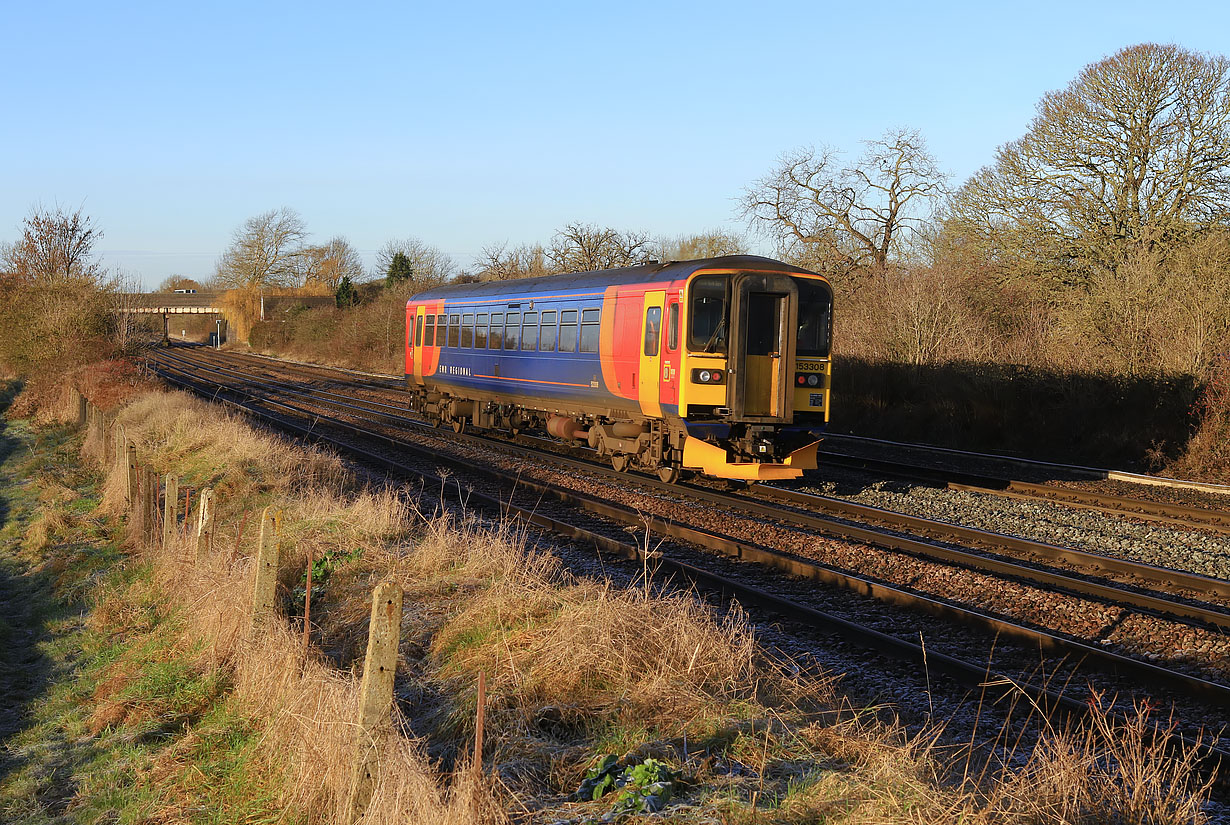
572, 666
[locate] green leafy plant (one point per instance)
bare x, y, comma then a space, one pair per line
644, 787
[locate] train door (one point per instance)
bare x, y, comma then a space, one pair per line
765, 309
651, 354
417, 344
671, 326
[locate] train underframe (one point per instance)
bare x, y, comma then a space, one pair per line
659, 446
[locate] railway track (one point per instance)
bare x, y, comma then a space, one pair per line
990, 624
1004, 667
1180, 515
1189, 586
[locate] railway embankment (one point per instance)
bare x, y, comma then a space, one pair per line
163, 695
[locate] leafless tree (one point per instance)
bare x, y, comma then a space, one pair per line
324, 266
581, 247
121, 296
430, 265
499, 263
711, 244
263, 252
1134, 152
174, 282
841, 218
55, 248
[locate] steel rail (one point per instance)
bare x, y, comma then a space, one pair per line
1180, 515
1093, 473
809, 569
835, 529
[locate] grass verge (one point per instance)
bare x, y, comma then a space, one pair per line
643, 701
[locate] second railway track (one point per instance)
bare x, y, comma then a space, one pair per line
1145, 671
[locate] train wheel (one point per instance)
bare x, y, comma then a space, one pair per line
620, 462
459, 425
668, 474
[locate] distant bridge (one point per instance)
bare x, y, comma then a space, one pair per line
175, 303
167, 304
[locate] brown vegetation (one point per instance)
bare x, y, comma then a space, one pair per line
574, 668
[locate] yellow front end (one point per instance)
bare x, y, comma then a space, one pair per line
808, 397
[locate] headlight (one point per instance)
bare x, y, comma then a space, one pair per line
813, 380
704, 376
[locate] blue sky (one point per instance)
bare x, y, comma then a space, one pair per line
467, 124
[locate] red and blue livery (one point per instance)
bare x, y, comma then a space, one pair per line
719, 366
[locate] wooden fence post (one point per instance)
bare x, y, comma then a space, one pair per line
117, 452
204, 525
83, 410
264, 589
150, 506
170, 507
375, 693
97, 433
130, 462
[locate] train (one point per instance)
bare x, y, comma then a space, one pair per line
719, 366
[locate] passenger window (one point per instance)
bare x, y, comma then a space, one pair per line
429, 332
497, 331
653, 326
546, 340
467, 330
512, 330
589, 329
529, 332
672, 327
418, 332
480, 332
568, 330
454, 324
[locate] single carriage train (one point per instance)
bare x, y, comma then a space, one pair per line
719, 366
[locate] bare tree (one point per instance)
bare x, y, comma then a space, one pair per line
711, 244
121, 297
581, 247
1134, 152
263, 252
499, 263
841, 218
174, 282
324, 266
56, 248
430, 266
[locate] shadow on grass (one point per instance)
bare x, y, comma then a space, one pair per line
29, 611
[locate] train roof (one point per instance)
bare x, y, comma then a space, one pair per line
600, 279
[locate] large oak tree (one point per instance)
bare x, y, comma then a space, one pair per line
1134, 154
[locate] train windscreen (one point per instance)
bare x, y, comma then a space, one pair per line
708, 327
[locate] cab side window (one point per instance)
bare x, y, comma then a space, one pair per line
653, 329
672, 327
